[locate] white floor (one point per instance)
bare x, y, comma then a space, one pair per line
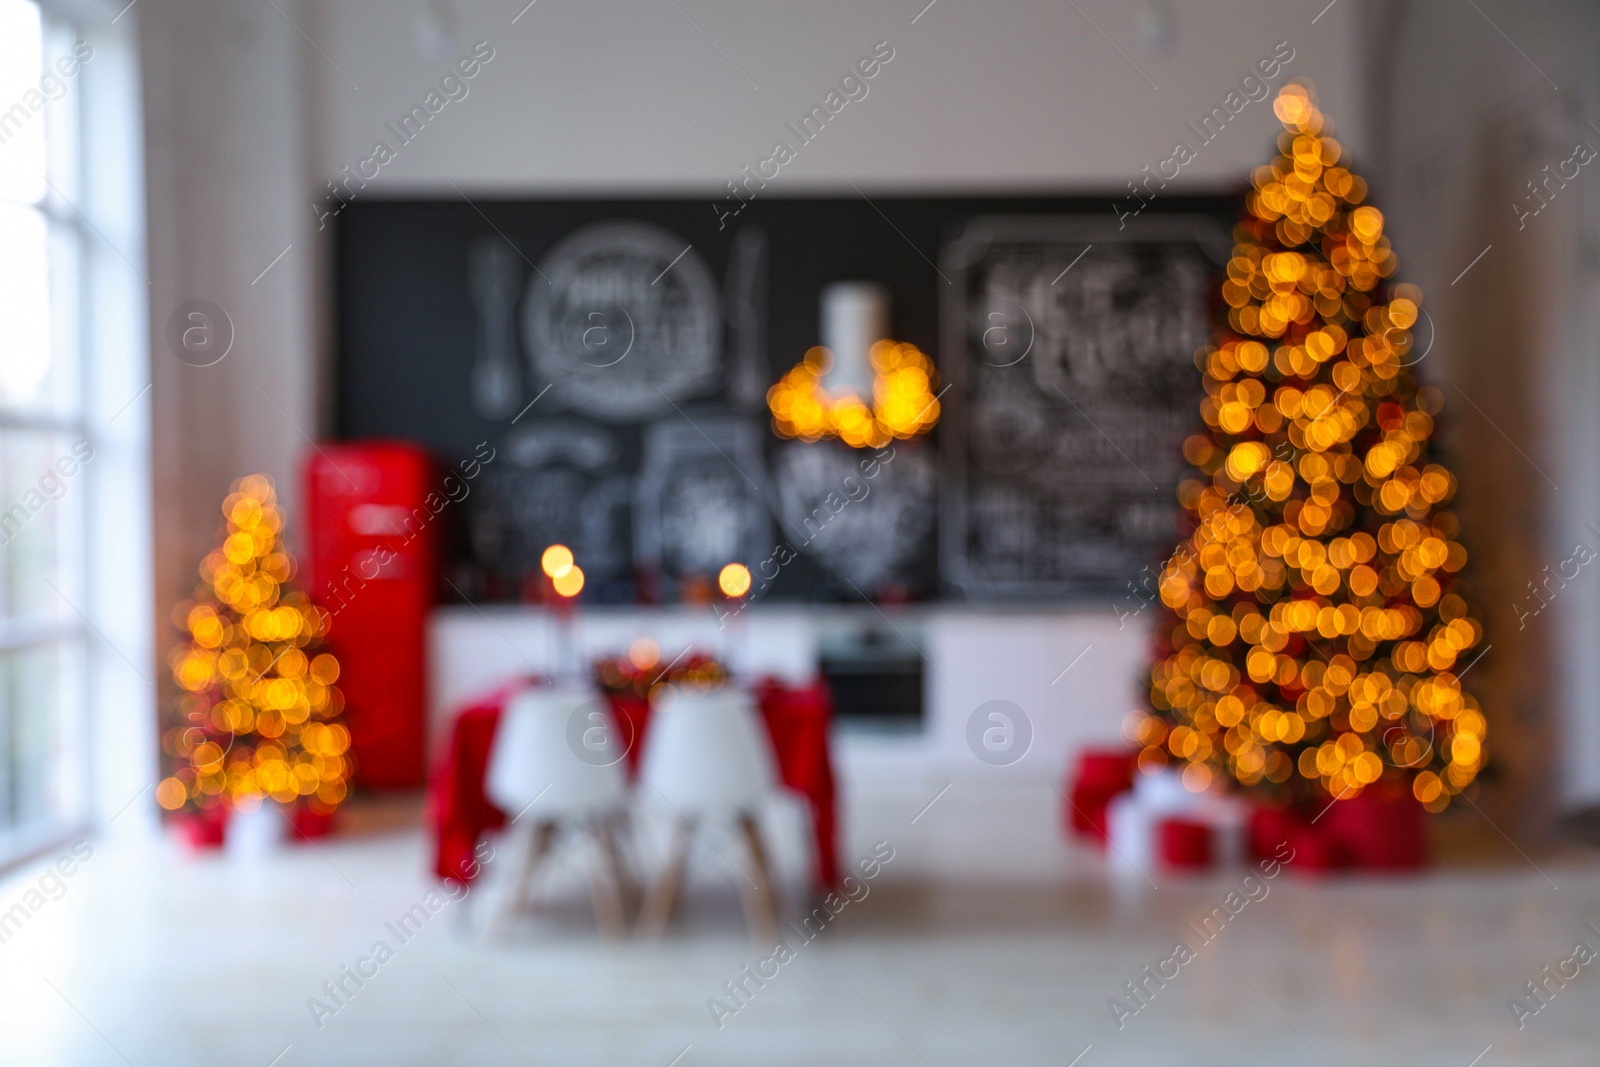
986, 940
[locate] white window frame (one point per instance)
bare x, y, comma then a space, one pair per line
111, 614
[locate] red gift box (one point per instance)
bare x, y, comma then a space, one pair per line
1185, 844
204, 829
1383, 828
309, 824
1270, 829
1100, 775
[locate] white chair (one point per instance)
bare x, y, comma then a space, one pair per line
708, 757
556, 766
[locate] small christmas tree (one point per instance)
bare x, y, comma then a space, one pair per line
259, 712
1313, 635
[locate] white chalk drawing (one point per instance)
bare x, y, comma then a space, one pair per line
496, 378
560, 484
624, 319
698, 503
748, 373
1063, 465
863, 530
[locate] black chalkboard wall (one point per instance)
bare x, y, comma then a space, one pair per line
644, 337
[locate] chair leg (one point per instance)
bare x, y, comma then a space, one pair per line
760, 906
617, 840
605, 882
626, 857
663, 892
539, 842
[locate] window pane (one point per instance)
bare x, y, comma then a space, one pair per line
22, 139
60, 394
39, 687
60, 84
27, 348
40, 515
42, 484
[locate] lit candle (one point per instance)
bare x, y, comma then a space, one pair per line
566, 579
734, 582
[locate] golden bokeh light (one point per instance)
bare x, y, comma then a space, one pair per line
556, 561
734, 580
1314, 638
904, 404
569, 583
644, 654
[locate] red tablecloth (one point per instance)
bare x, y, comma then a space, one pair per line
796, 718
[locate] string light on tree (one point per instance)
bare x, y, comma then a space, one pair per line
1316, 631
259, 711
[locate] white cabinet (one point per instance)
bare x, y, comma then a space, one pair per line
1073, 672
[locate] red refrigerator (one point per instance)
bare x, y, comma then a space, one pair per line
373, 557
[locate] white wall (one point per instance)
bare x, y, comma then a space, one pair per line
226, 147
613, 95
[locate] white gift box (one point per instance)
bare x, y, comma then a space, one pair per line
1133, 820
255, 833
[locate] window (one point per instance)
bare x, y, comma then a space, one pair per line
45, 441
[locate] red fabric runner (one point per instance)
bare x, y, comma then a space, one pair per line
796, 718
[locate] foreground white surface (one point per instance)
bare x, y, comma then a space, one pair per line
985, 940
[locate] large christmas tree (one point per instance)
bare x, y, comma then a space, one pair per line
1313, 634
259, 714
